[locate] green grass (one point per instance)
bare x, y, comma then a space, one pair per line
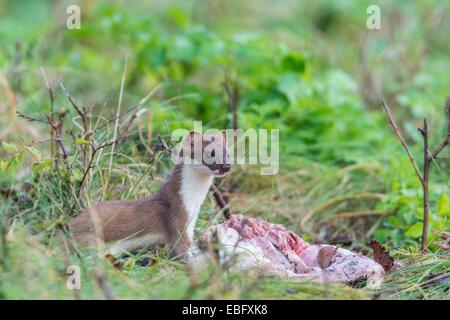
42, 271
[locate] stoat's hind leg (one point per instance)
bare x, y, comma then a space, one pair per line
180, 244
126, 246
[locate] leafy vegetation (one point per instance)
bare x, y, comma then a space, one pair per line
313, 71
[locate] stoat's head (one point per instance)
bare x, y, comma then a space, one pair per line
205, 152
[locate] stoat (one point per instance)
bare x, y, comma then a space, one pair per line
165, 217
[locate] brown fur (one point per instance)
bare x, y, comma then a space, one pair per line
161, 213
129, 219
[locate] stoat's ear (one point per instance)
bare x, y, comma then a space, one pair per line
193, 138
177, 153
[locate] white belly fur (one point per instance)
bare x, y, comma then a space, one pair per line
123, 246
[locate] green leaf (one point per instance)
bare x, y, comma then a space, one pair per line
293, 62
293, 87
9, 147
394, 221
35, 153
443, 206
81, 141
39, 167
178, 16
4, 165
19, 158
415, 231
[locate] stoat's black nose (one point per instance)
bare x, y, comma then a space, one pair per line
225, 167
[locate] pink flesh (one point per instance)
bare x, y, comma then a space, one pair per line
291, 255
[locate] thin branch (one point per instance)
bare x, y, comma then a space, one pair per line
72, 102
115, 118
57, 129
220, 201
446, 142
21, 115
426, 175
402, 141
130, 121
428, 157
49, 88
91, 160
137, 109
86, 172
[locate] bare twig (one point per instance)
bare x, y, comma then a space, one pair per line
81, 111
428, 157
31, 119
57, 129
220, 201
130, 122
55, 133
402, 141
91, 160
71, 100
115, 118
426, 174
137, 109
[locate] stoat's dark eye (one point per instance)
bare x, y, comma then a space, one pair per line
213, 153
